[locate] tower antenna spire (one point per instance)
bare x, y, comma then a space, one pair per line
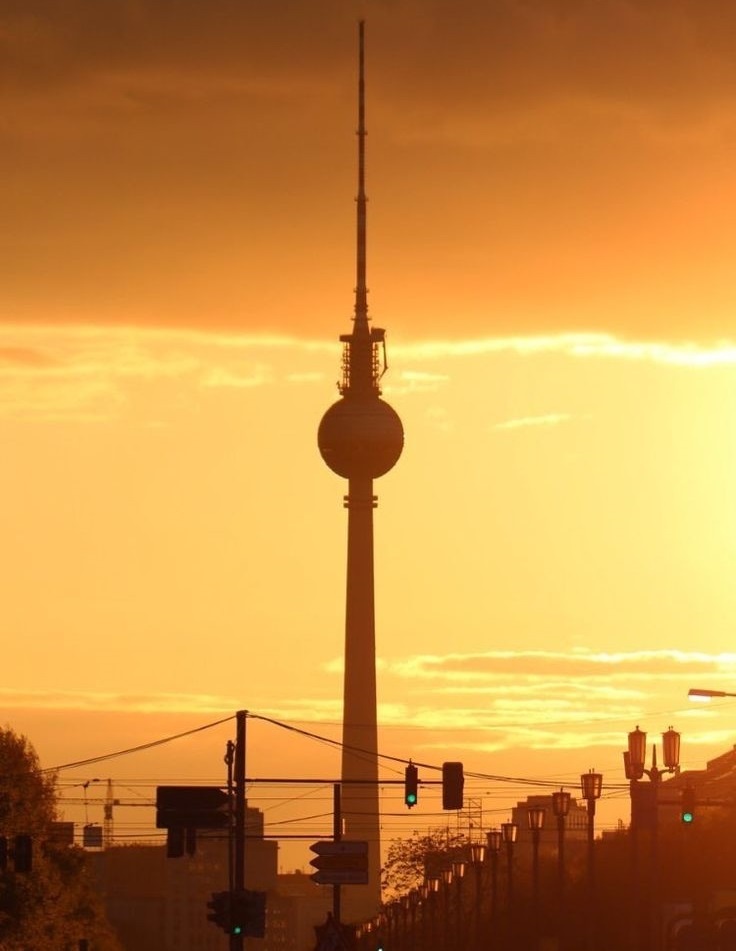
361, 291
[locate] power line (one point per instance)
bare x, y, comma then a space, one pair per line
135, 749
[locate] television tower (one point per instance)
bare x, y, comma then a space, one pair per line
360, 438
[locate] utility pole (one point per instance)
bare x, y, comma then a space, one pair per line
337, 836
237, 941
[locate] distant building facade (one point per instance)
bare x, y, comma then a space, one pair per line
156, 903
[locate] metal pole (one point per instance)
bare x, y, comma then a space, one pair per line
590, 911
494, 885
561, 877
237, 941
510, 874
535, 883
561, 856
337, 835
229, 760
478, 889
654, 913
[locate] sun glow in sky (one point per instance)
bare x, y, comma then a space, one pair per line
551, 232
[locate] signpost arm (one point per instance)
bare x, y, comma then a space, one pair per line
337, 835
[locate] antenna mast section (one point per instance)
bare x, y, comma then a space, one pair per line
361, 290
364, 351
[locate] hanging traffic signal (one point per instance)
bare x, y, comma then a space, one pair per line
687, 805
248, 913
219, 906
411, 785
238, 912
453, 781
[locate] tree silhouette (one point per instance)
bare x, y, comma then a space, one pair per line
54, 905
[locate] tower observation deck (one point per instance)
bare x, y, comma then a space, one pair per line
361, 438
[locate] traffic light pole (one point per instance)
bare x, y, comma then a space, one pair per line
237, 940
336, 835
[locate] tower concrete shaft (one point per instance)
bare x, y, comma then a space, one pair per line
361, 438
360, 805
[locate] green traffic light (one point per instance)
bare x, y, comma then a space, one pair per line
687, 817
411, 799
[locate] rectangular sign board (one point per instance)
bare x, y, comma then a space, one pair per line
340, 863
343, 847
341, 877
191, 807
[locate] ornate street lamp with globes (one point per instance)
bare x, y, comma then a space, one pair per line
644, 807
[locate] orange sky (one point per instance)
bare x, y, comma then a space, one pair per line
551, 212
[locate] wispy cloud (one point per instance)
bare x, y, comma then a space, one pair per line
221, 377
548, 419
109, 701
416, 381
480, 702
602, 346
543, 699
84, 373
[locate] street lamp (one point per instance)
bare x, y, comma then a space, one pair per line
433, 884
458, 872
424, 901
560, 808
644, 801
697, 694
494, 838
447, 881
406, 904
477, 854
535, 819
508, 834
591, 784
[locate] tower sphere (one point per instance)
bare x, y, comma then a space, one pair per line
360, 437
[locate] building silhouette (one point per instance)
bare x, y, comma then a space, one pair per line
155, 903
360, 438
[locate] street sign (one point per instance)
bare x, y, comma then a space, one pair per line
343, 876
340, 863
191, 807
343, 847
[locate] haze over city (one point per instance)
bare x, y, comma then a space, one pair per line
551, 225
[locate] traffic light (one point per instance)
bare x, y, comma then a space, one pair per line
238, 912
23, 853
453, 781
248, 913
411, 785
687, 805
219, 906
